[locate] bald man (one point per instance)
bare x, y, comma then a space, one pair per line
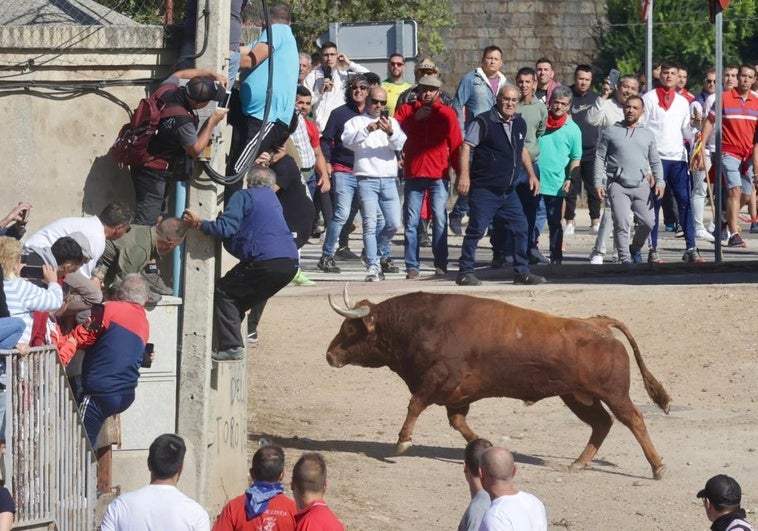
511, 509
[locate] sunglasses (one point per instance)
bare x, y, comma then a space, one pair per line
709, 81
379, 102
359, 87
392, 63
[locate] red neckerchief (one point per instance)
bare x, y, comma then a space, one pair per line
555, 123
665, 97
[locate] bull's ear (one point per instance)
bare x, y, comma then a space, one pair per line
369, 323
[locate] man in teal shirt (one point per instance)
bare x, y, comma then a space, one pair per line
560, 148
253, 87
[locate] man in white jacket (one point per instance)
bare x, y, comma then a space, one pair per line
327, 82
374, 138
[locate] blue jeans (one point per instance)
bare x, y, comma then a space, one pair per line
378, 195
677, 177
484, 206
461, 206
11, 330
414, 195
345, 188
234, 66
503, 243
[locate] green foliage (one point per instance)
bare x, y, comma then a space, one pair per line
681, 32
311, 18
150, 12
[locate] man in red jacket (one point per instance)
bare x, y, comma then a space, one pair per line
434, 137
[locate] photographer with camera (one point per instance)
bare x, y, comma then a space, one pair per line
327, 82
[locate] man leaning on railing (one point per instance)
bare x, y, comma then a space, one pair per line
114, 350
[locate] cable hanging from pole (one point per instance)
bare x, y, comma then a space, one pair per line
250, 153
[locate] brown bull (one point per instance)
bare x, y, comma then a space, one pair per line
453, 350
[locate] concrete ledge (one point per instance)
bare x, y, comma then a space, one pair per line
70, 37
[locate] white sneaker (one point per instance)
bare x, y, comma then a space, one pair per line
594, 229
569, 229
596, 258
703, 234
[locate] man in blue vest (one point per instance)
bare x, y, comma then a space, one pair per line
255, 232
488, 181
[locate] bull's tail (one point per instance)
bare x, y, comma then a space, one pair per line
653, 387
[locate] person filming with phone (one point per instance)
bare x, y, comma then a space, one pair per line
374, 138
14, 224
114, 340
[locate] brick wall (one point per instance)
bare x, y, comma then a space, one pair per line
526, 30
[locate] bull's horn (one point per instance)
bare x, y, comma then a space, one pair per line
346, 298
358, 313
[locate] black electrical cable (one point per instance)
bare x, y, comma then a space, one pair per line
232, 179
207, 23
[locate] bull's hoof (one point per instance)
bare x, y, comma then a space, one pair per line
402, 446
577, 465
659, 472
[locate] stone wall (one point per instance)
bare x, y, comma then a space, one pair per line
561, 30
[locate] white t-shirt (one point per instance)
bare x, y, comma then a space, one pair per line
155, 508
671, 127
91, 227
517, 512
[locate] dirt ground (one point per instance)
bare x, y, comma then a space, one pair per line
699, 340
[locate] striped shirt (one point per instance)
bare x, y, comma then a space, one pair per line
23, 298
740, 117
303, 143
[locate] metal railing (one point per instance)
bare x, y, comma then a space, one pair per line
50, 467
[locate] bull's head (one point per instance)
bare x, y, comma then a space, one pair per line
356, 340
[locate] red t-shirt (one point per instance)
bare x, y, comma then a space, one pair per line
313, 134
739, 125
316, 516
278, 516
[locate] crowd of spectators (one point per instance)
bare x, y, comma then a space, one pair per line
336, 140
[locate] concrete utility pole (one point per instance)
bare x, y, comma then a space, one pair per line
212, 397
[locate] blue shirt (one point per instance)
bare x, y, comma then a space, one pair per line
284, 86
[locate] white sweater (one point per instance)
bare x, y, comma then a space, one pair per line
91, 227
374, 152
670, 127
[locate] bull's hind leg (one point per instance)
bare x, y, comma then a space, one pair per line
457, 419
415, 407
631, 417
598, 419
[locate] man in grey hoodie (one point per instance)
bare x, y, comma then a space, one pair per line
627, 157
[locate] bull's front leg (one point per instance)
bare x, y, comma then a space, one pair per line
404, 439
457, 418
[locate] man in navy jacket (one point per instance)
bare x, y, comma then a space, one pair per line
254, 231
113, 354
488, 180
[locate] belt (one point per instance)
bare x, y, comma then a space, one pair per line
307, 169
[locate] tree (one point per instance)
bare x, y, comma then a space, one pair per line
311, 18
681, 32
